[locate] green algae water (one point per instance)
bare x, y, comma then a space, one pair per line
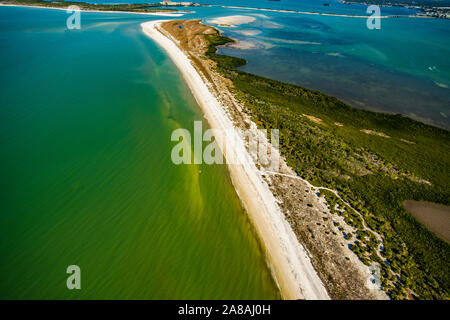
87, 179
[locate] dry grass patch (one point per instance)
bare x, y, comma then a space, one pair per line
376, 133
313, 119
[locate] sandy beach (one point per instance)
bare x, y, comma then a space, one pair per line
289, 261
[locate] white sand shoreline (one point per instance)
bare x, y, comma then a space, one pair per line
290, 263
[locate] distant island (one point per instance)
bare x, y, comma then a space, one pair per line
125, 7
430, 8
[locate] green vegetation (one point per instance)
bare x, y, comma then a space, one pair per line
132, 7
374, 171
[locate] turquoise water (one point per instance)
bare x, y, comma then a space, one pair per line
86, 118
401, 68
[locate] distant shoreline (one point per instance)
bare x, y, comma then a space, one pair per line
157, 13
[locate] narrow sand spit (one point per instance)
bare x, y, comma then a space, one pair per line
290, 263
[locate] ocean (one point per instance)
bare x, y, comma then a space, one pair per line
87, 179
